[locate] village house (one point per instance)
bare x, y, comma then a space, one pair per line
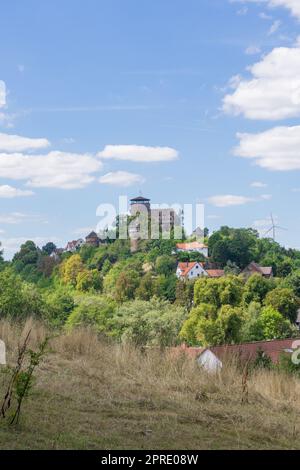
254, 268
212, 358
190, 271
193, 247
193, 270
92, 239
74, 245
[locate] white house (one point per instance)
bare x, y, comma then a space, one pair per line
193, 270
193, 247
190, 270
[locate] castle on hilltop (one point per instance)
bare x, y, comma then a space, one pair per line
150, 221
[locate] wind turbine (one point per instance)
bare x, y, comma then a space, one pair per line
273, 228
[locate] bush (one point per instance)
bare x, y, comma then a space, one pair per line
285, 301
93, 311
60, 305
154, 322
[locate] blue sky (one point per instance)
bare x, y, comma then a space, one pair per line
187, 101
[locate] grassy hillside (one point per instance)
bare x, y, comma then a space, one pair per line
94, 395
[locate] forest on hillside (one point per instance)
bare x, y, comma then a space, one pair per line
137, 296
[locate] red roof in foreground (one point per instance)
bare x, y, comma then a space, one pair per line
246, 351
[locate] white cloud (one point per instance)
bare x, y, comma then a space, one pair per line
17, 143
292, 5
274, 27
9, 192
14, 218
229, 200
276, 149
53, 170
122, 178
252, 50
258, 184
2, 94
273, 92
139, 153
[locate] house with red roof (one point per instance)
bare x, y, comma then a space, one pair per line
193, 247
193, 270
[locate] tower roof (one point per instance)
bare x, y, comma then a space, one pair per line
92, 235
139, 199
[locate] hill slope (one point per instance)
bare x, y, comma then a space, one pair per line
92, 395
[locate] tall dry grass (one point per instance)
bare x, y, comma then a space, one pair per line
154, 368
121, 381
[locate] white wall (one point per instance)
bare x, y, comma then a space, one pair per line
2, 353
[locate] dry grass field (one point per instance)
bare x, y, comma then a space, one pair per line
93, 395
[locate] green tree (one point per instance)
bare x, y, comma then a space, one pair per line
70, 269
185, 293
293, 281
145, 289
235, 245
230, 320
256, 288
274, 325
93, 311
154, 322
190, 328
29, 254
49, 248
230, 290
11, 299
164, 287
165, 265
285, 301
207, 291
126, 285
89, 279
209, 332
60, 305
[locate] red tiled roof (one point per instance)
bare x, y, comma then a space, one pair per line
246, 351
215, 272
190, 246
186, 267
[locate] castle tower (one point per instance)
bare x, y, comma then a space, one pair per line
139, 204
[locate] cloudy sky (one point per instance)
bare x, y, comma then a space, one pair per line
185, 100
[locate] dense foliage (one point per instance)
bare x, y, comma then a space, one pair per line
137, 296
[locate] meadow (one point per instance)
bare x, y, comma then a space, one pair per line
91, 393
